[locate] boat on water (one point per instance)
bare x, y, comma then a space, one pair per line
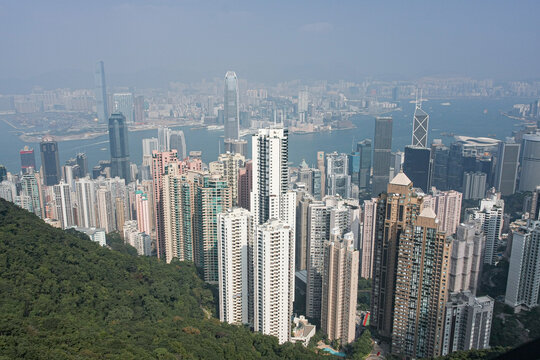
446, 104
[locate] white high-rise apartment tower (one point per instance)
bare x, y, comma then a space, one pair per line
234, 242
86, 202
273, 280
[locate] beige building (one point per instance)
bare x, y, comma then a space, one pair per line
340, 285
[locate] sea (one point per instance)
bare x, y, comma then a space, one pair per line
469, 117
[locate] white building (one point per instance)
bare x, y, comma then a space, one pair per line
490, 214
524, 274
273, 269
95, 234
64, 207
84, 188
234, 240
139, 240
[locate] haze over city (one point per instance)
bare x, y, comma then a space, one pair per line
55, 43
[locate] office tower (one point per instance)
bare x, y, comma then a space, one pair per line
523, 281
303, 200
160, 162
270, 197
123, 103
105, 210
82, 162
421, 288
439, 172
101, 93
30, 188
142, 210
138, 109
163, 139
507, 167
399, 159
417, 166
474, 185
420, 126
273, 279
212, 197
84, 189
49, 161
139, 240
466, 259
320, 166
340, 285
177, 142
530, 162
231, 165
3, 173
447, 206
178, 212
363, 148
467, 322
119, 145
64, 206
382, 148
245, 178
28, 160
367, 242
490, 214
234, 263
231, 116
338, 180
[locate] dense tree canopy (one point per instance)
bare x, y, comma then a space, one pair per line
65, 297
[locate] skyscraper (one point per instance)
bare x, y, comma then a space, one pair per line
245, 178
28, 160
49, 161
101, 93
339, 289
417, 166
64, 206
118, 143
273, 280
447, 206
530, 162
105, 209
420, 291
320, 166
138, 109
490, 214
86, 196
367, 245
474, 185
30, 188
382, 154
123, 103
363, 148
234, 263
420, 126
160, 162
230, 108
212, 197
524, 273
82, 162
270, 197
177, 142
507, 167
466, 259
338, 180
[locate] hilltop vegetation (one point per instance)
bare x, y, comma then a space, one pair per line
65, 297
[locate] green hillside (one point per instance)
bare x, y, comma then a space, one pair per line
65, 297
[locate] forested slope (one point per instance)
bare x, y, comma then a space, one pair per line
65, 297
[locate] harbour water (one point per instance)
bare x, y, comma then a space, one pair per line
471, 117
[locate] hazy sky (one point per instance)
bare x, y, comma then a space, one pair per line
147, 42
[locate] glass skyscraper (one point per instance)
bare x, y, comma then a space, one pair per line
231, 116
49, 161
101, 92
118, 142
